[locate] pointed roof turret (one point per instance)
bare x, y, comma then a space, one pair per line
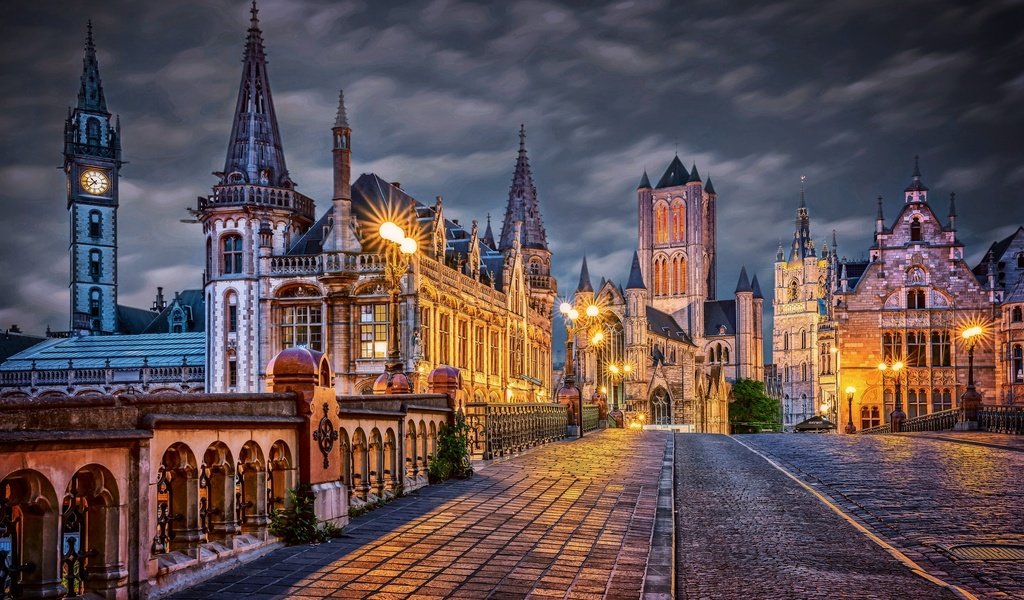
952, 204
645, 183
523, 205
584, 285
709, 187
254, 148
675, 174
341, 120
488, 234
90, 95
879, 216
636, 276
803, 200
780, 254
916, 185
694, 175
803, 246
743, 285
756, 288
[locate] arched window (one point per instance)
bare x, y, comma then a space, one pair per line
95, 223
711, 355
803, 371
94, 263
660, 224
232, 255
794, 291
785, 341
916, 349
1017, 315
94, 302
718, 353
678, 221
915, 230
726, 354
785, 374
941, 355
231, 317
1018, 364
92, 131
915, 299
679, 275
803, 338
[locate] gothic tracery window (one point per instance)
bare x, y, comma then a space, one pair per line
678, 221
232, 254
661, 226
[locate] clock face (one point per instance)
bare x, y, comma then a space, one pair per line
94, 181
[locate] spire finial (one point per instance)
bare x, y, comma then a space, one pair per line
879, 216
522, 137
342, 119
803, 182
254, 21
89, 44
917, 167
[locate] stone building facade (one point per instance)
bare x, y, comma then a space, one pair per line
1003, 268
683, 346
909, 303
278, 277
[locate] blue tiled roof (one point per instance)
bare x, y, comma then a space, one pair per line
124, 351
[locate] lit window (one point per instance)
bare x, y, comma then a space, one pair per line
373, 330
301, 326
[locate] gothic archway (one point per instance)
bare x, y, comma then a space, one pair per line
660, 404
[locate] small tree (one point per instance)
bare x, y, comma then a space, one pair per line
452, 457
752, 410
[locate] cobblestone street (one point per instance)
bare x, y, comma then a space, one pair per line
569, 520
923, 493
745, 530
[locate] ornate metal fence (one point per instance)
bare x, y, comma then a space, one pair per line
501, 429
1002, 419
884, 428
590, 414
936, 421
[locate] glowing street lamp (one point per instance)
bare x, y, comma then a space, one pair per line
971, 398
897, 416
574, 325
398, 252
850, 391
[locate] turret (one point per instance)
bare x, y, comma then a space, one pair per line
342, 238
917, 191
952, 212
879, 221
744, 325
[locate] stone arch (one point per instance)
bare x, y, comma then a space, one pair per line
660, 405
360, 465
376, 462
424, 454
177, 513
411, 466
432, 436
280, 475
392, 478
218, 478
90, 532
251, 487
28, 502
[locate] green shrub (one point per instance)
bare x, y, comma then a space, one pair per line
452, 457
298, 523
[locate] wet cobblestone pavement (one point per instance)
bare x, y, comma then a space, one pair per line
569, 520
746, 530
923, 494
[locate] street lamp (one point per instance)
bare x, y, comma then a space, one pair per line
897, 416
398, 252
575, 323
850, 391
971, 398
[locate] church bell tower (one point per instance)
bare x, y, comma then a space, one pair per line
92, 160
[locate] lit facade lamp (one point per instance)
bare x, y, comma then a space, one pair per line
897, 416
850, 391
398, 252
575, 324
971, 399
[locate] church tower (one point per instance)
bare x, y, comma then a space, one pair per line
800, 289
92, 161
253, 213
523, 206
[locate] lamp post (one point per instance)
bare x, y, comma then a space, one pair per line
850, 391
398, 251
575, 322
897, 416
619, 371
971, 398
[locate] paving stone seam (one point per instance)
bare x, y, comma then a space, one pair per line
892, 550
664, 527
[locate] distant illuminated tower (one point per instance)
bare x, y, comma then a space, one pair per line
92, 160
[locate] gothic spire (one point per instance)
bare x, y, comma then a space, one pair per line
342, 119
802, 244
916, 185
636, 276
694, 175
755, 287
879, 216
584, 285
743, 285
709, 187
254, 149
90, 95
645, 182
488, 234
523, 205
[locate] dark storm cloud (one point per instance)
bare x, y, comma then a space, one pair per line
757, 94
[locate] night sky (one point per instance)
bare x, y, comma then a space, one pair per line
757, 94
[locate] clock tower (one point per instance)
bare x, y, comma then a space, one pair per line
92, 158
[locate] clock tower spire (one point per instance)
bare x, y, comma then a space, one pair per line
92, 160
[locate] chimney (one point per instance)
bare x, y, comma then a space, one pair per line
159, 304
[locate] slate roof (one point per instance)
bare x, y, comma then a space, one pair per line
718, 313
636, 276
854, 271
675, 175
13, 343
645, 183
124, 351
584, 284
709, 187
133, 321
997, 250
664, 325
194, 303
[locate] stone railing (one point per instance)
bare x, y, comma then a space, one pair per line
884, 428
329, 262
542, 282
498, 429
109, 378
936, 421
240, 194
590, 414
1002, 419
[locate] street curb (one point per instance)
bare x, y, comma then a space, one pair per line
896, 553
660, 571
953, 438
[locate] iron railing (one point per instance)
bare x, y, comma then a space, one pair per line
1002, 419
936, 421
883, 428
498, 429
590, 414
